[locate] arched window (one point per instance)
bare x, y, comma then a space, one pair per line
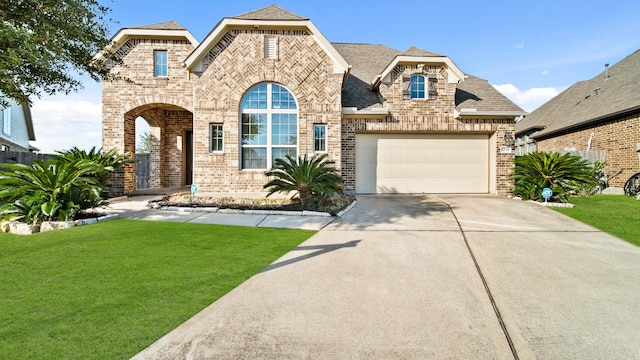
269, 126
417, 87
423, 87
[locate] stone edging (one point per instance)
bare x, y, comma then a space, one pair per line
209, 210
20, 228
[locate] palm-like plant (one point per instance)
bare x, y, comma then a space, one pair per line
48, 190
562, 173
313, 178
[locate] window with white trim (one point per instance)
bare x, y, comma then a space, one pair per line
419, 86
6, 121
160, 64
270, 47
269, 126
319, 138
216, 138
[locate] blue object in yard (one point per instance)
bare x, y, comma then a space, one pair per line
546, 193
194, 189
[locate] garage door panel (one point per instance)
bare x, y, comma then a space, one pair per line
422, 163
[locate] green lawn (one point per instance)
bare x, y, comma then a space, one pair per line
615, 214
109, 290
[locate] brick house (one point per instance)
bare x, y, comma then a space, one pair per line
602, 113
268, 83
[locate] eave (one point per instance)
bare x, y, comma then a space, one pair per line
125, 34
193, 61
455, 74
380, 112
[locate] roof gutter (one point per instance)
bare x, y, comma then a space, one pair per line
475, 112
377, 112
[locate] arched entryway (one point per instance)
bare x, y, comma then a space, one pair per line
171, 145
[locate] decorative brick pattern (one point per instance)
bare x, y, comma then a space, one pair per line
618, 138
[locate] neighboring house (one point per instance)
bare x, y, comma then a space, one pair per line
598, 114
16, 128
267, 83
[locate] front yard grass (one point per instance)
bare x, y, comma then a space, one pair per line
615, 214
109, 290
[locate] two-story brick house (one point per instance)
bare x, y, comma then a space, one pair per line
267, 83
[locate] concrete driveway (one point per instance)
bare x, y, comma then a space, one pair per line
431, 277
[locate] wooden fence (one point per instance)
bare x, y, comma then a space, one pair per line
21, 157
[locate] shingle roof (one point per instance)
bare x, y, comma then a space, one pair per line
477, 93
271, 12
367, 61
589, 101
414, 51
169, 25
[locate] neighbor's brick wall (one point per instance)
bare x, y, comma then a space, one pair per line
617, 137
231, 68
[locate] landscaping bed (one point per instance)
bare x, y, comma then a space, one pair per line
332, 206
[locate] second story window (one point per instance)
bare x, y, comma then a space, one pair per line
420, 87
417, 87
160, 63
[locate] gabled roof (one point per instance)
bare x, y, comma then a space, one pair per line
272, 17
612, 93
414, 55
474, 96
271, 12
165, 30
169, 25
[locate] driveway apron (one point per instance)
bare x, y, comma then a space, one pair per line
430, 277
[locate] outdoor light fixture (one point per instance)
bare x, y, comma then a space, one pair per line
509, 140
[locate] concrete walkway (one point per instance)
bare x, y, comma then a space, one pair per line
430, 277
135, 208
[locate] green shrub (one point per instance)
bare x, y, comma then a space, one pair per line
564, 174
315, 179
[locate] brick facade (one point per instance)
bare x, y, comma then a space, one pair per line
187, 101
618, 138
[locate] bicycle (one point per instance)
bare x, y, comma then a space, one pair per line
603, 180
632, 186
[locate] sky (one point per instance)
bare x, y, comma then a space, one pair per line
528, 50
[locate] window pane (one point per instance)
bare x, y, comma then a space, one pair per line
284, 129
281, 153
254, 158
160, 63
216, 137
6, 120
417, 87
256, 98
320, 138
281, 98
254, 129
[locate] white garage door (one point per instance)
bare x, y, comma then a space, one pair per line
396, 163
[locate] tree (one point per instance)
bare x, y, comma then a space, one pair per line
144, 145
313, 178
563, 174
44, 43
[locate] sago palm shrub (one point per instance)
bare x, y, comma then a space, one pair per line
47, 190
315, 178
564, 174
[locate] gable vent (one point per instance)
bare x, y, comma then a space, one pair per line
270, 47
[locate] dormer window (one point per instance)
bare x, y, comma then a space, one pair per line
420, 87
160, 63
271, 47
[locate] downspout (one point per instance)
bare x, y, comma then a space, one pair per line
589, 142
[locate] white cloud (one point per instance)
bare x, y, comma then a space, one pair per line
519, 45
63, 124
529, 99
545, 72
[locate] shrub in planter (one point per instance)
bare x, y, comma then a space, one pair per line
315, 179
564, 174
